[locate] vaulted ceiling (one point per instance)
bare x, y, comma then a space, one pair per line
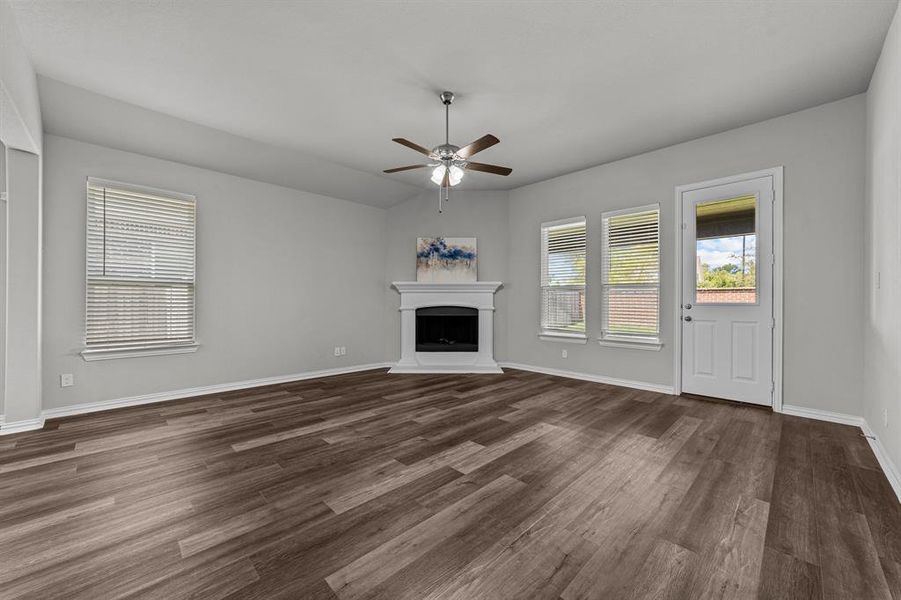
564, 85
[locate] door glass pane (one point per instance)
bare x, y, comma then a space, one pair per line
726, 251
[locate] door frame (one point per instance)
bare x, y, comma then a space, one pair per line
777, 174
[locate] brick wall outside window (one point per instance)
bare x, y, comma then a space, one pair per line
726, 295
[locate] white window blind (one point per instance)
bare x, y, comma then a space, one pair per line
140, 267
563, 250
630, 273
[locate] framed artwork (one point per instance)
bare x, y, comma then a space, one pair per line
446, 259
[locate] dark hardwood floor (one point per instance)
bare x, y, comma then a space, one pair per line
514, 486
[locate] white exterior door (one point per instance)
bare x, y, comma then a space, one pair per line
727, 291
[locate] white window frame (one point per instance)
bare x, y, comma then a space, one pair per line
555, 335
99, 352
638, 342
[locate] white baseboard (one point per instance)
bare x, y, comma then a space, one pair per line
20, 426
822, 415
78, 409
888, 467
638, 385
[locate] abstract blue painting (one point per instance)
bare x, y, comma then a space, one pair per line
446, 260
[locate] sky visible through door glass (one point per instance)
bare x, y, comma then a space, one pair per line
727, 250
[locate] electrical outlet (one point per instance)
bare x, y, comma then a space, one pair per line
563, 353
885, 417
343, 350
337, 350
66, 380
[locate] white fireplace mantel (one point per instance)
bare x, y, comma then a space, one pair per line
478, 295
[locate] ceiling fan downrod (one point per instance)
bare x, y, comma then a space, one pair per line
447, 99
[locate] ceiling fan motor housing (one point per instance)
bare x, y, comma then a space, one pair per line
445, 151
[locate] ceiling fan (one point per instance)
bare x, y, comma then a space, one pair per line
450, 161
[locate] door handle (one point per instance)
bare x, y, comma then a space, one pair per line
687, 318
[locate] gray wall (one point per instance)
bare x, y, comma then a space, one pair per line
482, 215
882, 324
822, 150
283, 277
257, 234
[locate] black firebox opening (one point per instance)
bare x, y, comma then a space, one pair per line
447, 329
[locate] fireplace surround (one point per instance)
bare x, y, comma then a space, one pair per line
447, 327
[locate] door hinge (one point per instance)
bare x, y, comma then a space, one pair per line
772, 387
772, 323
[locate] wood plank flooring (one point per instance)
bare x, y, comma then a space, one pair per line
446, 487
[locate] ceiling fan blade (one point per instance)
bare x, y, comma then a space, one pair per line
407, 168
412, 146
474, 166
486, 141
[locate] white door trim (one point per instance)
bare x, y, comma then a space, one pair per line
777, 174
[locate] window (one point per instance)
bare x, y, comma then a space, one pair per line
140, 271
726, 251
630, 275
563, 278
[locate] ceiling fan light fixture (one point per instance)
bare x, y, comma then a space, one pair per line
455, 175
438, 174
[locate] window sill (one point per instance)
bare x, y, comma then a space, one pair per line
569, 338
652, 345
91, 354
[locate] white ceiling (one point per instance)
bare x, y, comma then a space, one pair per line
564, 85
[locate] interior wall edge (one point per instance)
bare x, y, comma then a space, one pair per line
882, 249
